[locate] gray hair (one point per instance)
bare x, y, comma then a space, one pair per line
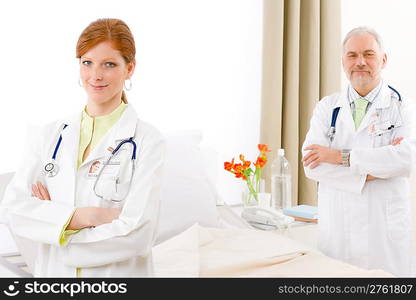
364, 30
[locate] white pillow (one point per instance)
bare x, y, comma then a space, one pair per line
188, 195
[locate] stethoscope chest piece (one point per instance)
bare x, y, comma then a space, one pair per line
51, 169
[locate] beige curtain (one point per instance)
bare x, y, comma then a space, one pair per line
301, 64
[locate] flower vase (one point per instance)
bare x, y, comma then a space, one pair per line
249, 199
263, 200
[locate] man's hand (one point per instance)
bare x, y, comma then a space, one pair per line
396, 141
92, 216
40, 191
319, 154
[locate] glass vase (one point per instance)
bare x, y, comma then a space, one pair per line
262, 200
249, 199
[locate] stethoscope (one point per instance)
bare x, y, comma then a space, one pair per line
117, 181
52, 168
331, 132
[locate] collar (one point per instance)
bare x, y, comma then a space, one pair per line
384, 96
103, 123
370, 97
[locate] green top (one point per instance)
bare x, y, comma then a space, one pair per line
92, 130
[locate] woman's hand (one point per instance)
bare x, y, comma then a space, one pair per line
40, 191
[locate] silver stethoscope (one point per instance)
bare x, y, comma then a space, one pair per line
52, 168
331, 132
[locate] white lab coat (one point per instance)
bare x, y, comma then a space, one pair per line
118, 249
367, 224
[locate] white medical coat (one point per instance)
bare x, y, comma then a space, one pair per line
121, 248
367, 224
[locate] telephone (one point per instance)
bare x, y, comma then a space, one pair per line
266, 219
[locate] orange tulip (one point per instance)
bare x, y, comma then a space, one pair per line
228, 166
242, 170
263, 148
261, 162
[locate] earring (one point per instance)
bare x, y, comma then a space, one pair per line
79, 82
129, 85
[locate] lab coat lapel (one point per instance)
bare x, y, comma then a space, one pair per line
346, 123
64, 182
126, 126
123, 129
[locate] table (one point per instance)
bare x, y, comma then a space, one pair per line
302, 232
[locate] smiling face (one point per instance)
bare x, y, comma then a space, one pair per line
103, 71
363, 61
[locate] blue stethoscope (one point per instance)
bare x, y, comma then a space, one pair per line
331, 133
52, 167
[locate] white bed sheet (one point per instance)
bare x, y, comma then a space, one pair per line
234, 252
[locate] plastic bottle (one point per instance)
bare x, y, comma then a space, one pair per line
281, 183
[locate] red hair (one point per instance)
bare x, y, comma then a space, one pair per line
113, 30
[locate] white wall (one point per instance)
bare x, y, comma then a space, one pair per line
198, 67
394, 21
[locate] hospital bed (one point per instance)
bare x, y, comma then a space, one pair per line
198, 237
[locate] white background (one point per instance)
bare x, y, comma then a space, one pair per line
198, 67
395, 21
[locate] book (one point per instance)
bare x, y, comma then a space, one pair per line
302, 211
306, 220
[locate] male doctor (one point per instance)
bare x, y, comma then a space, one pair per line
363, 166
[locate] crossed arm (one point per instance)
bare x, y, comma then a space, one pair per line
320, 154
83, 217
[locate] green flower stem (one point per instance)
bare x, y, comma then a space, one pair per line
251, 189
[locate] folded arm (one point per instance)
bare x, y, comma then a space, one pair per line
316, 152
134, 231
27, 215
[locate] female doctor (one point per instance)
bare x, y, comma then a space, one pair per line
88, 190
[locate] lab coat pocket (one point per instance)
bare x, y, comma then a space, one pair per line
397, 215
382, 139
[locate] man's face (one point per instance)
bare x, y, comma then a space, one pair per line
363, 61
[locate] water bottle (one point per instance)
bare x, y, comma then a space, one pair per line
281, 183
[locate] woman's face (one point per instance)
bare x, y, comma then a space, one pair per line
103, 72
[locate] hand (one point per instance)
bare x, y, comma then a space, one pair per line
396, 141
92, 216
319, 154
370, 177
40, 191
